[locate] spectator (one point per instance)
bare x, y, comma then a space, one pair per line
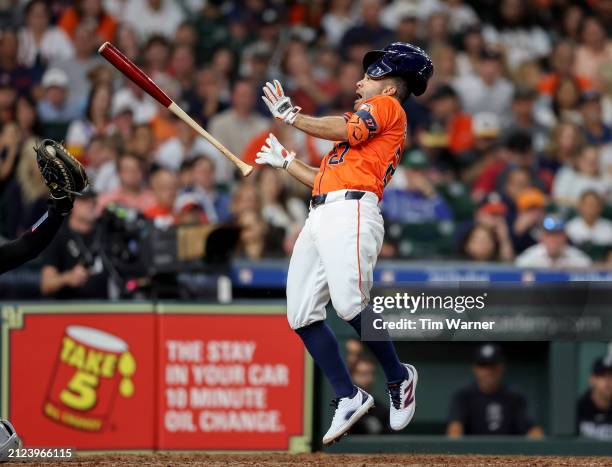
562, 106
483, 243
101, 161
461, 16
489, 239
10, 148
488, 406
337, 21
354, 352
185, 145
375, 422
415, 199
201, 187
150, 17
528, 210
570, 182
449, 126
20, 77
132, 191
309, 92
26, 194
142, 142
88, 12
132, 97
278, 208
207, 97
589, 227
257, 239
469, 58
8, 97
236, 126
72, 267
488, 91
369, 27
78, 68
594, 408
566, 142
517, 33
595, 48
561, 63
164, 185
553, 251
97, 120
523, 119
26, 117
595, 131
54, 109
407, 30
40, 43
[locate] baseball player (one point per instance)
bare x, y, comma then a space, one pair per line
65, 178
336, 251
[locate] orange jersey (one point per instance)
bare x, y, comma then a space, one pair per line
367, 161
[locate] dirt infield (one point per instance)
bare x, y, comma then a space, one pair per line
227, 460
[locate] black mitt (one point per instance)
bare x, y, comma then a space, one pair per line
63, 174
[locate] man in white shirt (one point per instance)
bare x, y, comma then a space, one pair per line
553, 251
149, 17
589, 226
236, 126
488, 91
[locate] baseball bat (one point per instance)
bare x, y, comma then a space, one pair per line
129, 69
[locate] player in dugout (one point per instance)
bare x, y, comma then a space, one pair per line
336, 251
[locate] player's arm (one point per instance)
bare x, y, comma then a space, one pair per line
275, 155
330, 128
27, 247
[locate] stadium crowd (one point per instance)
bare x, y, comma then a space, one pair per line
509, 152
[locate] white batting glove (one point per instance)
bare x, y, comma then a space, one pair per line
280, 105
274, 154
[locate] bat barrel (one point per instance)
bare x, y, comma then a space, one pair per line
125, 65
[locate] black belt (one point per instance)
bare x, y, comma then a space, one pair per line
318, 200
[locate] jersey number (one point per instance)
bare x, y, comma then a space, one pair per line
336, 158
391, 169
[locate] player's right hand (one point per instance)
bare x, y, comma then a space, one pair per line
274, 154
280, 105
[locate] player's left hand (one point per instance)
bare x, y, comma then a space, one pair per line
274, 154
280, 105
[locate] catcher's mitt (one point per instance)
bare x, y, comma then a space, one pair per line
63, 174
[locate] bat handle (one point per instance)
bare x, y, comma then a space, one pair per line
244, 168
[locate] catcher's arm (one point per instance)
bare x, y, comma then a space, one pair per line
275, 155
27, 247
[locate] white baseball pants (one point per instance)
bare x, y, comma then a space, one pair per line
334, 257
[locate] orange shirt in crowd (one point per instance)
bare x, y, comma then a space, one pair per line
367, 161
548, 83
107, 26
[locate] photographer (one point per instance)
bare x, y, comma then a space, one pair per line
71, 266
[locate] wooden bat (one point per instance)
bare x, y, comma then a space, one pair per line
129, 69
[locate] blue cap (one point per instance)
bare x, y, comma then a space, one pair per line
553, 224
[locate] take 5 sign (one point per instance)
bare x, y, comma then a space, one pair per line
131, 377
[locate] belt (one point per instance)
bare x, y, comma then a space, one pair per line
318, 200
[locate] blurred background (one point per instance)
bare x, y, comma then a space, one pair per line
508, 166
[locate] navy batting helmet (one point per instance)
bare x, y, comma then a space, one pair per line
400, 59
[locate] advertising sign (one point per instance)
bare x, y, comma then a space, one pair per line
139, 377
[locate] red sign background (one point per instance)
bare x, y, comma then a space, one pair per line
261, 347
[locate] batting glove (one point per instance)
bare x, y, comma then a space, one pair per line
280, 105
274, 154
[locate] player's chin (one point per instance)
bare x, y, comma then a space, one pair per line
357, 103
